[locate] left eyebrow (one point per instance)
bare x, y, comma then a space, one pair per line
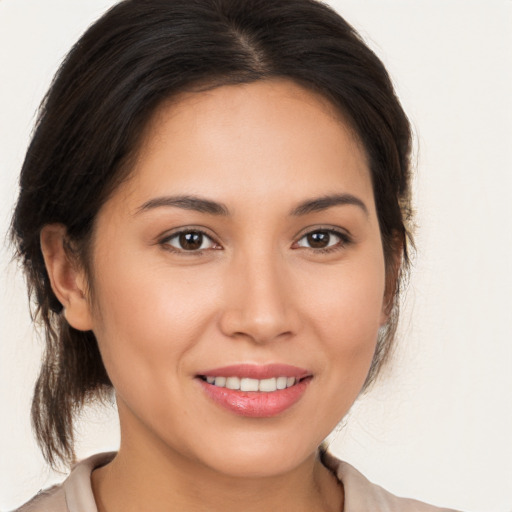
324, 202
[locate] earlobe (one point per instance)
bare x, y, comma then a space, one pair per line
387, 307
389, 299
67, 280
393, 268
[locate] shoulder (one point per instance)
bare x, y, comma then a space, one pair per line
361, 494
74, 494
50, 500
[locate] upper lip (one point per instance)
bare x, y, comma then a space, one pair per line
257, 371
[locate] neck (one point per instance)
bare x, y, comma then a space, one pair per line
145, 476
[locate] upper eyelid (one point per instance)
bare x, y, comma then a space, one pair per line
341, 232
338, 232
345, 241
331, 229
166, 237
188, 229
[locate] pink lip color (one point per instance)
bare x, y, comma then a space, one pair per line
256, 404
254, 371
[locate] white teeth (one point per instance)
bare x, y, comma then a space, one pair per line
268, 385
233, 383
246, 384
281, 382
220, 381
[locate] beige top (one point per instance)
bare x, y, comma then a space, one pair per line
75, 493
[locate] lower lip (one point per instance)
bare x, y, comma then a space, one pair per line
254, 404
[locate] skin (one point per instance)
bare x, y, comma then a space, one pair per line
256, 292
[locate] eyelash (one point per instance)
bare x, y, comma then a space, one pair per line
165, 243
344, 241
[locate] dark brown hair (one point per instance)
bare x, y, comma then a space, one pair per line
137, 55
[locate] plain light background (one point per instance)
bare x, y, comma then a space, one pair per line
438, 426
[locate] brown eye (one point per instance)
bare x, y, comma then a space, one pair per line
190, 241
319, 239
322, 239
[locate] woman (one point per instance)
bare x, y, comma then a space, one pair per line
213, 222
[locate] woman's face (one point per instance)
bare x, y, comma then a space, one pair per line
244, 250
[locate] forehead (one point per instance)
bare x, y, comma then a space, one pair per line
261, 138
277, 100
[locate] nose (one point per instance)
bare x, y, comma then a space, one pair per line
260, 303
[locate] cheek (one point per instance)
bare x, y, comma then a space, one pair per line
348, 301
147, 319
345, 308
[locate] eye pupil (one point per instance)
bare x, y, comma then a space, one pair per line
318, 239
191, 241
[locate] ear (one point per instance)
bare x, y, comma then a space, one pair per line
393, 266
68, 282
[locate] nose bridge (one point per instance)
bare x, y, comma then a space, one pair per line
259, 304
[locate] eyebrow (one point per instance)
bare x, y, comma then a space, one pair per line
186, 202
202, 205
323, 203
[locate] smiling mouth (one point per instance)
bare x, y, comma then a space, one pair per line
247, 384
255, 390
252, 397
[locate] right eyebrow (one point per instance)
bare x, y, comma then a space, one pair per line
319, 204
186, 202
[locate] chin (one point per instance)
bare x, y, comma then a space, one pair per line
258, 459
